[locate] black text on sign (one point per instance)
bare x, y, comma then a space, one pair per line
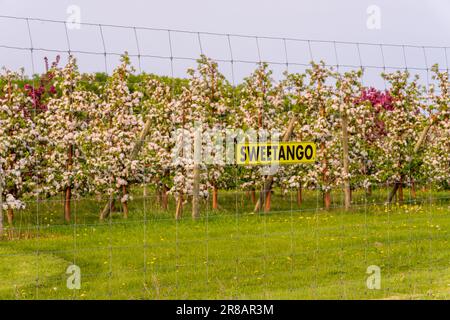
275, 153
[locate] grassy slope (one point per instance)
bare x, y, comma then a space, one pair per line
232, 254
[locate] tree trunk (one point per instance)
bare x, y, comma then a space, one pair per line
369, 191
179, 209
108, 208
268, 201
393, 192
165, 197
68, 197
125, 203
397, 190
134, 153
299, 196
263, 194
159, 195
215, 203
419, 143
327, 199
364, 172
253, 195
400, 191
413, 188
347, 194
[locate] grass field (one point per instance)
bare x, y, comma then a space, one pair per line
290, 253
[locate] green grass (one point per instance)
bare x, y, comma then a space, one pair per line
290, 253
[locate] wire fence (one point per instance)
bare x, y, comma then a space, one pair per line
159, 51
295, 250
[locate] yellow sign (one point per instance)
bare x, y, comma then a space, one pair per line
275, 153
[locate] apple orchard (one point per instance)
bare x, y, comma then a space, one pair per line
70, 134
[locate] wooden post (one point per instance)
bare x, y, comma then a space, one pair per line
195, 193
1, 204
327, 193
345, 169
196, 182
69, 164
108, 208
10, 215
179, 209
68, 191
134, 154
267, 186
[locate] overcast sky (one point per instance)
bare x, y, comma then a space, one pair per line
416, 22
